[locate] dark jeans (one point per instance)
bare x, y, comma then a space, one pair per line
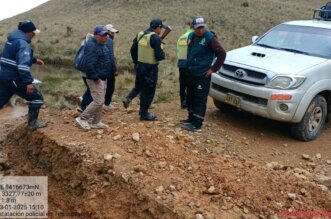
145, 84
9, 88
197, 96
182, 84
110, 89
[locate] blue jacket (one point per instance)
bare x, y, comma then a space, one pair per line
17, 58
97, 60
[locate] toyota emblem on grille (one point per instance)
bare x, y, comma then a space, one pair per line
240, 73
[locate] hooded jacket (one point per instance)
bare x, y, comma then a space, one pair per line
97, 61
17, 58
109, 44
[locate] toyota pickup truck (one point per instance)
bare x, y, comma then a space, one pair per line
285, 75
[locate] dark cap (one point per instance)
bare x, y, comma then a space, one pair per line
155, 23
100, 30
198, 22
28, 27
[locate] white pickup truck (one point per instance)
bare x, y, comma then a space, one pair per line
284, 75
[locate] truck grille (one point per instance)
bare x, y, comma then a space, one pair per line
250, 76
246, 97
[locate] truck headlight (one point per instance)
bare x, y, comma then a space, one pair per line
285, 82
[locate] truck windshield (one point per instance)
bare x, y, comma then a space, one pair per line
311, 41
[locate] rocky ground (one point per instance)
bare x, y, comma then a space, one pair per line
240, 166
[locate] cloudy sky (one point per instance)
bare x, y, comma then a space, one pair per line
11, 8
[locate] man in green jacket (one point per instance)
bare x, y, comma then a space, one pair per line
203, 47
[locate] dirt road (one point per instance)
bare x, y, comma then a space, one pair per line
240, 166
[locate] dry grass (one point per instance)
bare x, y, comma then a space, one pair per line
65, 23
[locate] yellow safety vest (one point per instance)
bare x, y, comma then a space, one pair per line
145, 51
182, 46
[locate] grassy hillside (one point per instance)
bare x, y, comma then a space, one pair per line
64, 23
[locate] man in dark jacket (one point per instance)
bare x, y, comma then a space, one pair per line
203, 46
146, 52
111, 77
15, 77
87, 98
96, 64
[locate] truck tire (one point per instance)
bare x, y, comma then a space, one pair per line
223, 106
312, 122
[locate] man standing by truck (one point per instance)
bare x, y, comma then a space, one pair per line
203, 47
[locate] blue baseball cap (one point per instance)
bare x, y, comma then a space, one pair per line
155, 23
100, 30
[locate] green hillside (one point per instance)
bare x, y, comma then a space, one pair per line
64, 23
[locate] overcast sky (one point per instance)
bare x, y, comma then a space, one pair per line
11, 8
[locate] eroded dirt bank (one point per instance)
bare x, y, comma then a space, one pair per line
158, 170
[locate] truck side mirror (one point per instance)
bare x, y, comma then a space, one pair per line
254, 38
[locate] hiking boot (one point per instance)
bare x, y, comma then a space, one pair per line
148, 117
37, 125
191, 127
126, 102
33, 122
99, 125
185, 121
83, 123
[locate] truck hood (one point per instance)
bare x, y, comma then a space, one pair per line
273, 60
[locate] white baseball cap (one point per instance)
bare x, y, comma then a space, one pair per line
111, 28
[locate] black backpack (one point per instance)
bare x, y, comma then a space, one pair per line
326, 11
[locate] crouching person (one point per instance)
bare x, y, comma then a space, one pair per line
15, 77
96, 64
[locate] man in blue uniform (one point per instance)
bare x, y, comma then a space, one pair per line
146, 52
15, 77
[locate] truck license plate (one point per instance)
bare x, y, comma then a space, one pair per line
232, 100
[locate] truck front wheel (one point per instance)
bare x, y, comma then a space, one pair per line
312, 122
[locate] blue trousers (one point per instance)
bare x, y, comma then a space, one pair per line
182, 84
9, 88
197, 96
145, 84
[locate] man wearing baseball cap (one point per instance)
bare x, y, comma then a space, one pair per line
87, 98
146, 52
203, 47
111, 77
96, 66
15, 76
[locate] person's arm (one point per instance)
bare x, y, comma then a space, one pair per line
134, 51
156, 45
220, 54
24, 60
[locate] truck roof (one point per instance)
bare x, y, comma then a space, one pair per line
311, 23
